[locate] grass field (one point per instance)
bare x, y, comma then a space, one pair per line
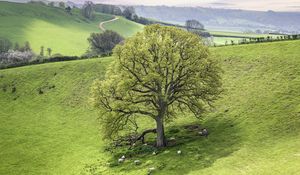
220, 37
52, 27
48, 127
240, 34
127, 29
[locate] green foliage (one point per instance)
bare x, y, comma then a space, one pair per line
129, 12
5, 45
88, 10
42, 51
107, 8
193, 24
103, 43
158, 73
49, 51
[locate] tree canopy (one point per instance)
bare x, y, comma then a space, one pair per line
193, 24
5, 45
129, 12
103, 43
159, 73
88, 10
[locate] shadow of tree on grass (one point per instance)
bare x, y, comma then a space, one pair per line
198, 152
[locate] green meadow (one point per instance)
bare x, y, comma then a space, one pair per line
53, 28
47, 125
124, 27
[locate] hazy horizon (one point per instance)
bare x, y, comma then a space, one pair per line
258, 5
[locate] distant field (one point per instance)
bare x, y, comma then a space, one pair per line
53, 27
223, 40
220, 37
240, 34
254, 128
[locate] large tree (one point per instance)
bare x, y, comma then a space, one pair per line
103, 43
159, 73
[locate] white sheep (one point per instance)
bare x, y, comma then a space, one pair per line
150, 170
172, 138
179, 152
121, 160
137, 162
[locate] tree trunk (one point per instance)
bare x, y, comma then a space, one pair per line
160, 140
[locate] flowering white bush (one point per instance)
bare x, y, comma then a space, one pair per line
13, 56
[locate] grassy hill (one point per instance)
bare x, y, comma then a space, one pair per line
127, 29
51, 27
48, 127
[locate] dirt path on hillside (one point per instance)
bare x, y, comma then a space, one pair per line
102, 23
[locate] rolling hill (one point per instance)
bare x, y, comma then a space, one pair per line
224, 19
48, 127
52, 27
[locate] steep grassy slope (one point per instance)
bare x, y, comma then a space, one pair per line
47, 126
50, 133
51, 27
128, 27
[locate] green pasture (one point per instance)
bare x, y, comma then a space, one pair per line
47, 125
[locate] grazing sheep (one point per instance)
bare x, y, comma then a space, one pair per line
204, 132
137, 162
121, 160
150, 170
179, 152
154, 153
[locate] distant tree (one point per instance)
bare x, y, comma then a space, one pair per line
117, 11
226, 42
27, 46
61, 5
144, 21
193, 24
135, 17
129, 12
5, 45
49, 50
110, 9
42, 51
51, 4
38, 2
103, 43
88, 10
17, 46
68, 9
201, 33
159, 74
